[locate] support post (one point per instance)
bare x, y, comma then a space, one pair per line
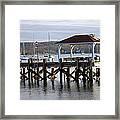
84, 79
44, 73
29, 83
31, 72
77, 74
59, 49
24, 76
68, 78
98, 76
91, 75
52, 78
37, 76
61, 83
71, 50
93, 51
64, 78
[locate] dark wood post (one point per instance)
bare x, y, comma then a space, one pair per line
61, 83
44, 73
98, 75
84, 78
68, 78
37, 76
24, 76
31, 71
91, 75
52, 78
64, 78
77, 74
29, 83
35, 82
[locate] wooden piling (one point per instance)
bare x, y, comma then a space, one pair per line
98, 75
52, 78
68, 78
64, 78
37, 76
84, 78
61, 83
24, 76
44, 73
77, 74
91, 75
29, 83
31, 72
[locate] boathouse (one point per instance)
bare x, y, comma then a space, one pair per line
77, 40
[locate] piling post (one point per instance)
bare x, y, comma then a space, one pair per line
52, 78
24, 76
98, 75
31, 71
35, 83
84, 78
68, 78
77, 74
29, 83
91, 75
61, 82
64, 78
44, 73
37, 76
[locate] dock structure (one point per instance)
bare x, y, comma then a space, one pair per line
33, 73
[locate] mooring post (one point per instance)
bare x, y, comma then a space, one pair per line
77, 74
52, 78
29, 83
44, 73
61, 83
68, 78
91, 75
37, 76
31, 71
64, 78
24, 76
84, 78
98, 75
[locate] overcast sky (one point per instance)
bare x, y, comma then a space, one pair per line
35, 30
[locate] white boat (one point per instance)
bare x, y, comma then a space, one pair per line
24, 59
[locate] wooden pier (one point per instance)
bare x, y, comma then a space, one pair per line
32, 73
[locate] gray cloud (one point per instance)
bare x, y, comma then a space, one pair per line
31, 30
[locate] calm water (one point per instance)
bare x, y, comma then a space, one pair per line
40, 93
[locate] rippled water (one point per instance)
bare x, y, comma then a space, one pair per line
40, 93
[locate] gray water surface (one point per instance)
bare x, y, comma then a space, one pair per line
40, 93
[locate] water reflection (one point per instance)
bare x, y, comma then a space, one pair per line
48, 93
